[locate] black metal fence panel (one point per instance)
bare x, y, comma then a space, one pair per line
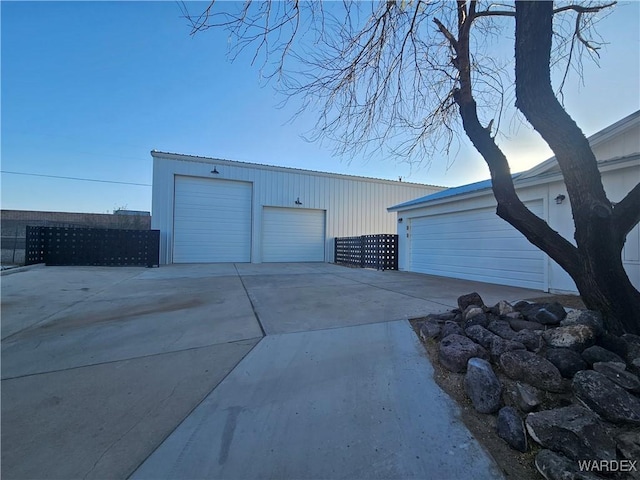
34, 247
92, 246
368, 251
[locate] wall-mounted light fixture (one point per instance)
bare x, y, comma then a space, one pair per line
298, 202
400, 220
215, 171
560, 198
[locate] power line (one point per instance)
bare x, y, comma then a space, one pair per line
75, 178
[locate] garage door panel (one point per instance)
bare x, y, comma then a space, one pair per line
212, 220
476, 245
292, 235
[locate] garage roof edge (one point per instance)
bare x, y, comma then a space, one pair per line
221, 161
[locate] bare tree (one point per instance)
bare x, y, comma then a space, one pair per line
406, 75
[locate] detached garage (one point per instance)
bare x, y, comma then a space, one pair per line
211, 210
456, 232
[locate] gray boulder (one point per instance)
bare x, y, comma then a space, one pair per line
455, 351
569, 362
526, 397
482, 386
629, 446
607, 399
510, 428
596, 354
575, 337
617, 374
480, 335
544, 313
554, 466
430, 330
499, 346
633, 346
480, 319
469, 299
518, 324
503, 308
471, 311
573, 431
442, 317
530, 339
589, 318
451, 328
502, 329
530, 368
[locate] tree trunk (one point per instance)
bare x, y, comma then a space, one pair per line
600, 231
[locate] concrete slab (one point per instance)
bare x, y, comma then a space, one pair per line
103, 421
135, 317
33, 295
296, 309
349, 403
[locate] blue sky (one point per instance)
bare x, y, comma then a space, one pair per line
89, 88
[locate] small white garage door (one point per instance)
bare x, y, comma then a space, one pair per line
476, 245
211, 221
292, 235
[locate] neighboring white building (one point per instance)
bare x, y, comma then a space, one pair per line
456, 232
210, 210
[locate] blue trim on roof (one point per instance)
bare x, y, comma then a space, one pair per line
450, 192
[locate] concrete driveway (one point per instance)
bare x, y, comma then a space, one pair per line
164, 373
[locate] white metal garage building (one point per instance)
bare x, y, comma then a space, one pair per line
211, 210
456, 232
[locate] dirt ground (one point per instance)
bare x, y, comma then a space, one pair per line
515, 465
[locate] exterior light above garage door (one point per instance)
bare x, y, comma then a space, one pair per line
298, 202
560, 198
400, 220
215, 171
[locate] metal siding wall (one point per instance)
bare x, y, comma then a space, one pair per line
349, 203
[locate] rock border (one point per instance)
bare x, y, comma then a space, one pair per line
555, 380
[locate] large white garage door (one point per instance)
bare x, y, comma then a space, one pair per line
476, 245
211, 221
292, 235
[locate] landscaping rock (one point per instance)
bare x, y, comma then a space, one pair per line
527, 397
544, 313
442, 317
614, 344
469, 299
530, 339
521, 305
455, 351
575, 337
616, 373
596, 353
499, 346
511, 429
430, 330
569, 362
480, 319
482, 386
502, 329
503, 307
519, 324
607, 399
480, 335
554, 466
632, 343
589, 318
574, 431
628, 444
451, 328
528, 367
471, 311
